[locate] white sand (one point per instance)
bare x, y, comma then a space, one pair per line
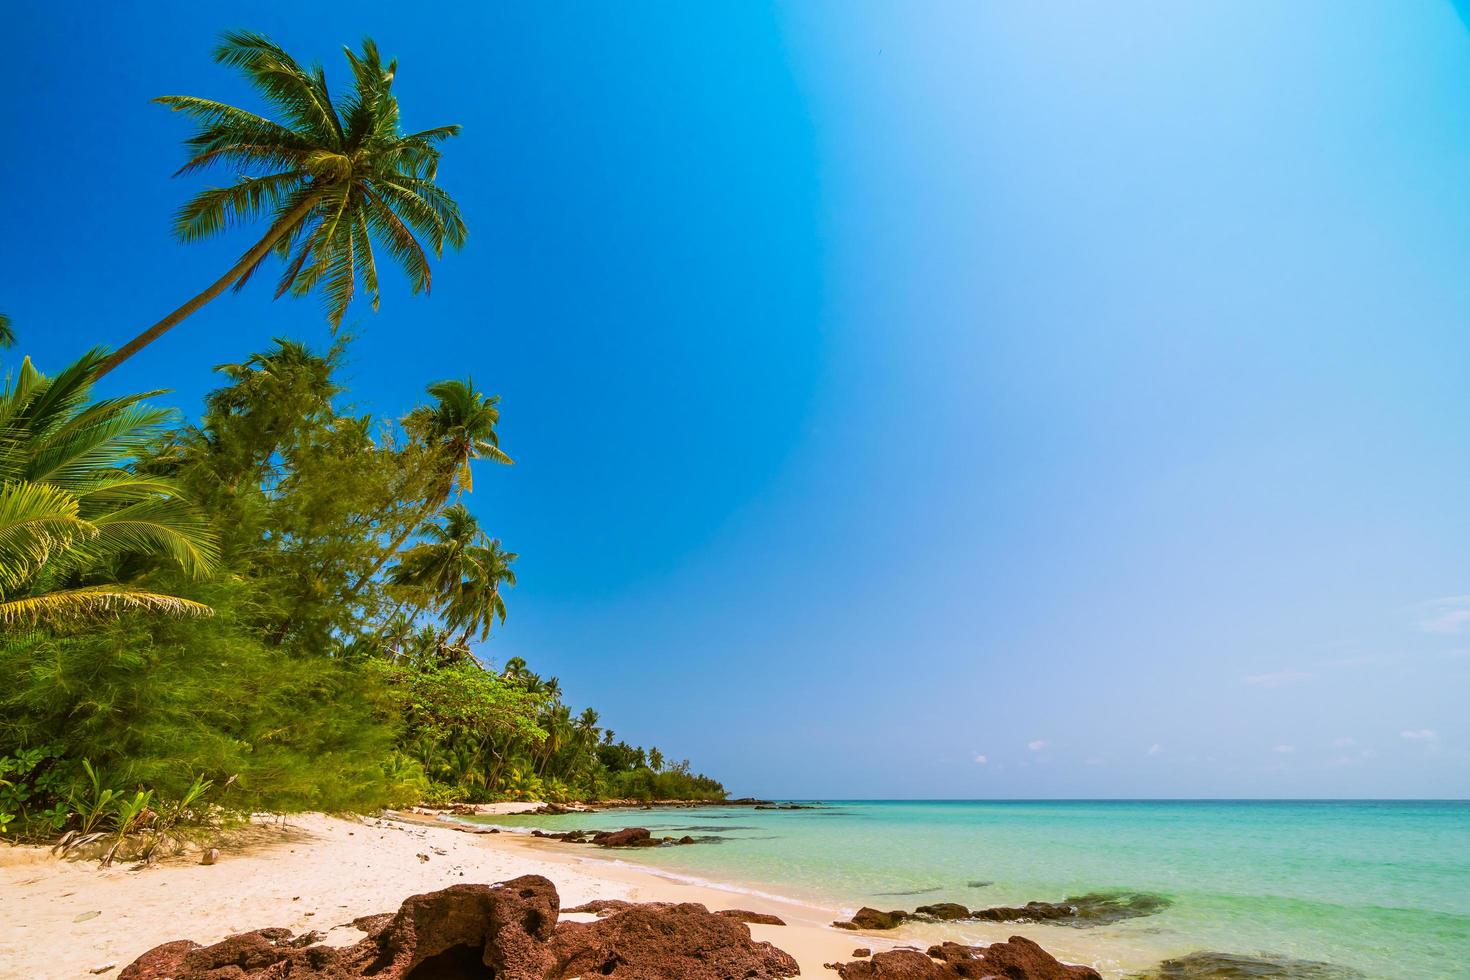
69, 918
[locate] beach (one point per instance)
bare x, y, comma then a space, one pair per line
65, 919
1327, 890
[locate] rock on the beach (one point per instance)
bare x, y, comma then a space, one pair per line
602, 906
758, 918
683, 941
1092, 909
1018, 959
942, 912
627, 837
870, 918
509, 931
210, 856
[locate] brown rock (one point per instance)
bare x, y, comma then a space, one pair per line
158, 962
509, 931
1092, 909
1017, 959
1021, 959
862, 951
627, 837
210, 856
759, 918
943, 912
602, 906
678, 942
870, 918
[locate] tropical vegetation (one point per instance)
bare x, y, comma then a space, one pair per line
281, 603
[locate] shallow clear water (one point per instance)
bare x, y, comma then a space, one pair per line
1382, 887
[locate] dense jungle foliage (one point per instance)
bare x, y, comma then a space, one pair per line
278, 600
273, 608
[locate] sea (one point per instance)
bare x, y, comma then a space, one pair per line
1210, 890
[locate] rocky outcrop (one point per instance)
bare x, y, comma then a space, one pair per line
681, 941
627, 837
1017, 959
1231, 966
870, 918
755, 918
601, 906
508, 931
942, 912
1092, 909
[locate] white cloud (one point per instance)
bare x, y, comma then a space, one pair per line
1037, 745
1284, 749
1446, 616
980, 760
1155, 749
1422, 735
1278, 678
1344, 742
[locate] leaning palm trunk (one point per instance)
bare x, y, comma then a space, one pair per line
335, 176
247, 262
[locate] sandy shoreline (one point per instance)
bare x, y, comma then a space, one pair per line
67, 919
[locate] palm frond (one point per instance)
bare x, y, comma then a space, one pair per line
73, 606
37, 523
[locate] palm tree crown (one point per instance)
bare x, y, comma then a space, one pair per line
459, 427
332, 177
71, 502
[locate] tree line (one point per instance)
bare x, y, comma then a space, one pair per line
273, 607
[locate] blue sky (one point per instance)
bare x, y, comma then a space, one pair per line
920, 400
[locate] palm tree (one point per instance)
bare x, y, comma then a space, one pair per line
454, 431
71, 502
429, 573
477, 600
331, 177
436, 566
460, 428
7, 332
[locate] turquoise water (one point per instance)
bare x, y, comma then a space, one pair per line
1380, 887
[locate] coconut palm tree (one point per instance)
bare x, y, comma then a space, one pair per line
435, 566
71, 502
477, 601
331, 177
457, 429
7, 332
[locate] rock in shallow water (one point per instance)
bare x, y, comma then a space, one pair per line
1233, 966
1092, 909
870, 918
1017, 959
507, 931
942, 912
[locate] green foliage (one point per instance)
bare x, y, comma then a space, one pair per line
75, 511
335, 672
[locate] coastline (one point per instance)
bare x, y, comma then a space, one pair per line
68, 919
